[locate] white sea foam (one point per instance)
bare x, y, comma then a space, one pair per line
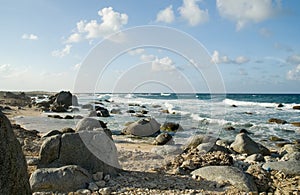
246, 103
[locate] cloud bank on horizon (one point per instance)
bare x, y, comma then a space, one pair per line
254, 43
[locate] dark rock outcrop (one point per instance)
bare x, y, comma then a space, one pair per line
66, 98
13, 168
296, 107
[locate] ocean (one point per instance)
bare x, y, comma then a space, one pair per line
196, 113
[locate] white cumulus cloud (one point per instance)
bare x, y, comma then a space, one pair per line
74, 38
243, 12
294, 74
218, 59
166, 15
111, 22
63, 52
223, 59
191, 12
163, 64
30, 37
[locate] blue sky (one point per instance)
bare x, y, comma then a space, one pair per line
255, 44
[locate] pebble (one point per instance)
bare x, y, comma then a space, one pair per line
98, 176
105, 191
82, 192
106, 178
100, 184
93, 187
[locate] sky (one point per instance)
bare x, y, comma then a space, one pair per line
244, 46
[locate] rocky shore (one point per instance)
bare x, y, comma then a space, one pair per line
90, 159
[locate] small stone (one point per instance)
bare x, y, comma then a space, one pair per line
229, 128
83, 192
255, 157
105, 191
93, 186
42, 193
100, 184
33, 161
276, 120
275, 138
98, 176
106, 178
67, 130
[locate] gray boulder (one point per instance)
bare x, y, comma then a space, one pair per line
50, 149
232, 175
87, 124
51, 133
162, 139
210, 147
255, 158
143, 127
196, 140
64, 179
92, 150
13, 168
244, 144
291, 167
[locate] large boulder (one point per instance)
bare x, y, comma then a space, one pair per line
88, 124
230, 174
162, 139
143, 127
102, 112
291, 167
244, 144
13, 168
50, 149
64, 179
66, 99
92, 150
196, 140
